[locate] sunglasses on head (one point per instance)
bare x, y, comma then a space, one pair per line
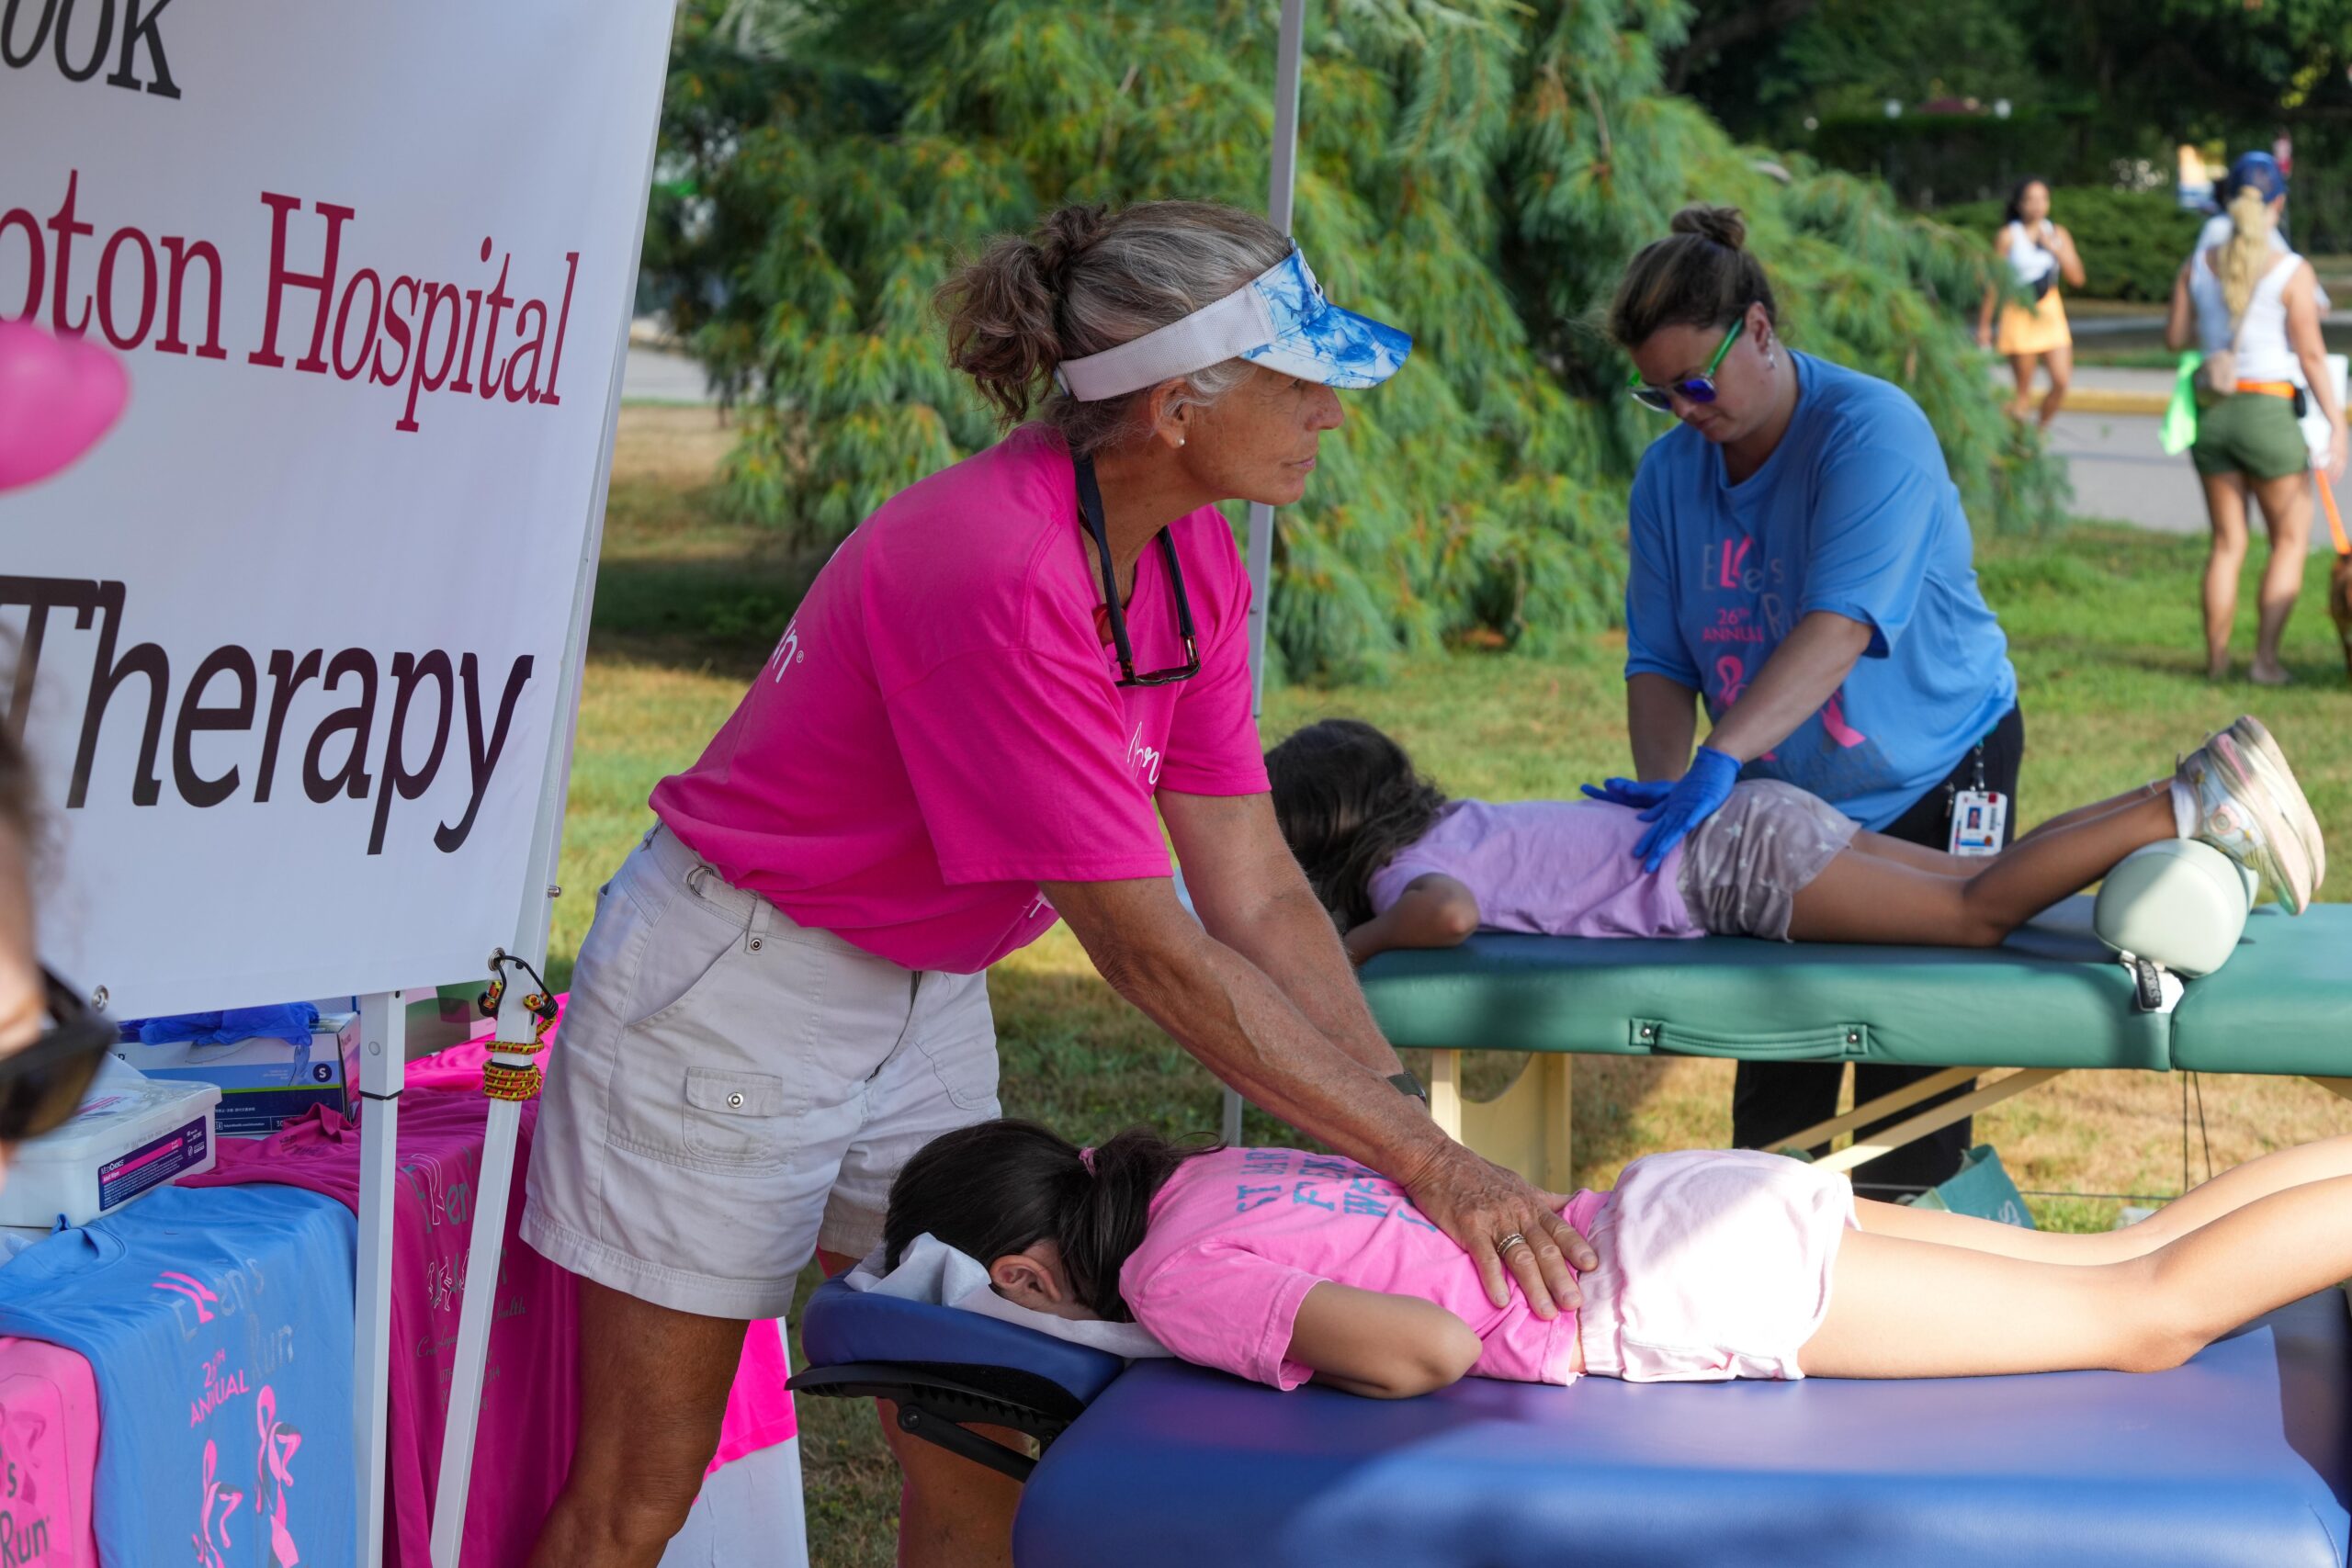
43, 1085
1699, 388
1090, 507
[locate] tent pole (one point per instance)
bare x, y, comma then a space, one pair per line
1282, 187
383, 1068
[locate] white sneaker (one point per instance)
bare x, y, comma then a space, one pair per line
2269, 764
2237, 814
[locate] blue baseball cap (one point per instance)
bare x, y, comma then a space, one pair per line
2260, 172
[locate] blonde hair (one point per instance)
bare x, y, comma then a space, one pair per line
2245, 254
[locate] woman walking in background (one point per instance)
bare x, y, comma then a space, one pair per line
2037, 253
2252, 306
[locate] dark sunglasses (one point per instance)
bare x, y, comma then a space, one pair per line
1090, 507
1699, 388
43, 1085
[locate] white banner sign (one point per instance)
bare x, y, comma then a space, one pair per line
288, 642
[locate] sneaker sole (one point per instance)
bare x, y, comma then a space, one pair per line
2289, 864
2262, 750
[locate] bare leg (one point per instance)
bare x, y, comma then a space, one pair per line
1906, 1308
2201, 1205
1862, 897
1944, 864
2021, 366
2287, 514
2225, 510
654, 1386
2060, 363
952, 1513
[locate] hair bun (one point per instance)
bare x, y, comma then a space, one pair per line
1067, 234
1721, 224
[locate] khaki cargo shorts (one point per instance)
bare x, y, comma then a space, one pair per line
731, 1091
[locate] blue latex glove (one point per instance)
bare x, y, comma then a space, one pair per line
1636, 792
1696, 796
286, 1021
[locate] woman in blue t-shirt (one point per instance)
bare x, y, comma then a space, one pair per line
1801, 565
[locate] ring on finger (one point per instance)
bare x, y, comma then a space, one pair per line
1502, 1247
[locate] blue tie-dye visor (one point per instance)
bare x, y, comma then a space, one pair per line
1279, 319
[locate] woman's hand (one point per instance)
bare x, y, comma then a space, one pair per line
1638, 794
1482, 1206
1983, 335
1696, 796
2337, 449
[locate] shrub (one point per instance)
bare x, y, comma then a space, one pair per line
2132, 243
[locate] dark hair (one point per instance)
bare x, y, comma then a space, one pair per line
15, 788
1002, 1186
1347, 800
2014, 213
1699, 276
1089, 279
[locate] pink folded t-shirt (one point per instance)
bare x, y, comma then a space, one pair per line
1552, 867
940, 729
1237, 1237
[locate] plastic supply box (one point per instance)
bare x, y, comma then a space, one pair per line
131, 1136
267, 1081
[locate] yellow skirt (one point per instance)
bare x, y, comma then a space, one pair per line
2035, 331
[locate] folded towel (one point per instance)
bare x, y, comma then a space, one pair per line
931, 1270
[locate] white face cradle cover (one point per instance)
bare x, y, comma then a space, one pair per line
1279, 320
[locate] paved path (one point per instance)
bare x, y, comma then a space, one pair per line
2121, 472
660, 376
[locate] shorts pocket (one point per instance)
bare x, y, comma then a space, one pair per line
732, 1117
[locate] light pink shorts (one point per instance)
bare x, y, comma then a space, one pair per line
1714, 1264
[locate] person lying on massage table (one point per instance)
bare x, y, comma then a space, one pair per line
1285, 1267
1400, 865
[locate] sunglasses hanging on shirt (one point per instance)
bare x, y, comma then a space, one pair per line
1090, 507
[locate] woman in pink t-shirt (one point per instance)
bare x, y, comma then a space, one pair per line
996, 694
1400, 865
1284, 1267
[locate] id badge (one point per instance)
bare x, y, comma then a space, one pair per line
1977, 818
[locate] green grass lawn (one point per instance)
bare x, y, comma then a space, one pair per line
2104, 629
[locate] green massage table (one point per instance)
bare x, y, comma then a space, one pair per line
2055, 998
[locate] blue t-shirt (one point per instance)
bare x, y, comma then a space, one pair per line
218, 1324
1853, 513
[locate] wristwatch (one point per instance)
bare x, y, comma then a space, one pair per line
1406, 1083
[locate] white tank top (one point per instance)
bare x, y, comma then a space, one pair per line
2029, 260
2264, 354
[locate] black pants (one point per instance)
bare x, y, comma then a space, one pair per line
1771, 1100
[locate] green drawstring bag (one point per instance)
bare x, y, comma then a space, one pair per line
1982, 1188
2179, 432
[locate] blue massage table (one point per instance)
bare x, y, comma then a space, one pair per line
2244, 1456
2054, 1000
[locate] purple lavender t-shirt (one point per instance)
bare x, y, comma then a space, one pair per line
1552, 867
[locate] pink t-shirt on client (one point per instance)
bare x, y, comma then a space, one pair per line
1238, 1236
940, 729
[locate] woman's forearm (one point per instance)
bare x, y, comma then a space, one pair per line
1802, 676
1661, 720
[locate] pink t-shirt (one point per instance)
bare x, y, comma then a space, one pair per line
939, 729
1552, 867
1237, 1237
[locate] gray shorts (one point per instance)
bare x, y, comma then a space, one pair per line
1742, 867
731, 1091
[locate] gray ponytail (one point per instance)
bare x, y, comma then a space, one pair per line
1089, 279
